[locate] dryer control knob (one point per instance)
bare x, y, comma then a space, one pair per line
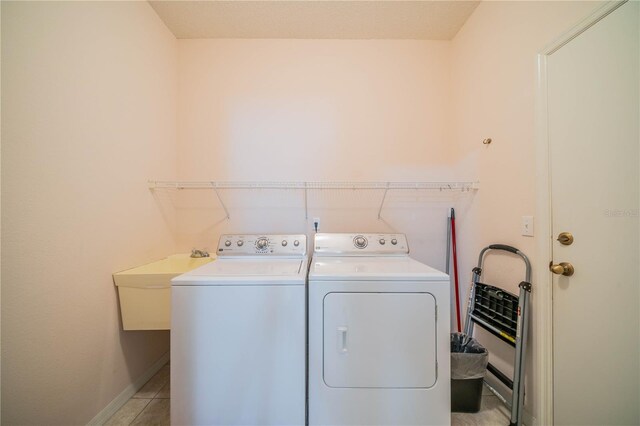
227, 243
394, 241
382, 241
240, 243
296, 243
262, 243
360, 241
284, 243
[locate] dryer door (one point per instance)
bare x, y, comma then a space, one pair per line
380, 340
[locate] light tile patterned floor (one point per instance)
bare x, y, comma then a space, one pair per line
150, 406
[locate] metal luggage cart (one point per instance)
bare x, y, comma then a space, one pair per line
507, 317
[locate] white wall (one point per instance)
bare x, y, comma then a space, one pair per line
325, 110
88, 114
493, 70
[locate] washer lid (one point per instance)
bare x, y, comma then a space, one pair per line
373, 269
236, 271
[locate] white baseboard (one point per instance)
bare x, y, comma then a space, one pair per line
108, 411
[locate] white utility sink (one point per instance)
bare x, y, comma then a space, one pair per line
145, 291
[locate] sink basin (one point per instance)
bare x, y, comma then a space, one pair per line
145, 291
159, 274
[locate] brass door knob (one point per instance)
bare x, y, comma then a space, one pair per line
563, 268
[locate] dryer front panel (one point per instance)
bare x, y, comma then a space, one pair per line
379, 340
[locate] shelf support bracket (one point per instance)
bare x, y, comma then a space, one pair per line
215, 189
306, 208
384, 197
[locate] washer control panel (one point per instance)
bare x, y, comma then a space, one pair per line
360, 244
262, 245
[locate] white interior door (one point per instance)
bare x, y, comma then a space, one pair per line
593, 114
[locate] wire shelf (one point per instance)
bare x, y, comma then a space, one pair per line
308, 186
441, 186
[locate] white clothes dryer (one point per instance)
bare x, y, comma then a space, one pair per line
378, 334
238, 335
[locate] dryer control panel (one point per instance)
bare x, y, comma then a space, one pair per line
360, 244
263, 245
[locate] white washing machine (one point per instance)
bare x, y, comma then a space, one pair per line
378, 334
238, 335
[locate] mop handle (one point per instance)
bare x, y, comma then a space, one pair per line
455, 265
448, 256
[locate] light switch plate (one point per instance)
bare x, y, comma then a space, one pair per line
527, 226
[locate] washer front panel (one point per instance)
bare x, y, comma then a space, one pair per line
238, 355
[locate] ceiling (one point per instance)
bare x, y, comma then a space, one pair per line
309, 19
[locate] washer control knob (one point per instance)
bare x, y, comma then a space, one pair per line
240, 243
284, 243
296, 243
382, 241
261, 244
227, 243
394, 241
360, 241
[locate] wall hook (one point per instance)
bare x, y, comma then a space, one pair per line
487, 141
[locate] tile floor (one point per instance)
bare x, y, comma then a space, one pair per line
150, 407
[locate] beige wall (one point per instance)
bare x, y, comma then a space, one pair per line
311, 109
90, 93
88, 114
493, 74
326, 110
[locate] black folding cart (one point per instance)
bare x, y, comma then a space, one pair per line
506, 316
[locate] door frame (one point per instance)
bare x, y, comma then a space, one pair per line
544, 282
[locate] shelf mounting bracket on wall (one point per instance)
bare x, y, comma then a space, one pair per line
224, 207
384, 197
306, 208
